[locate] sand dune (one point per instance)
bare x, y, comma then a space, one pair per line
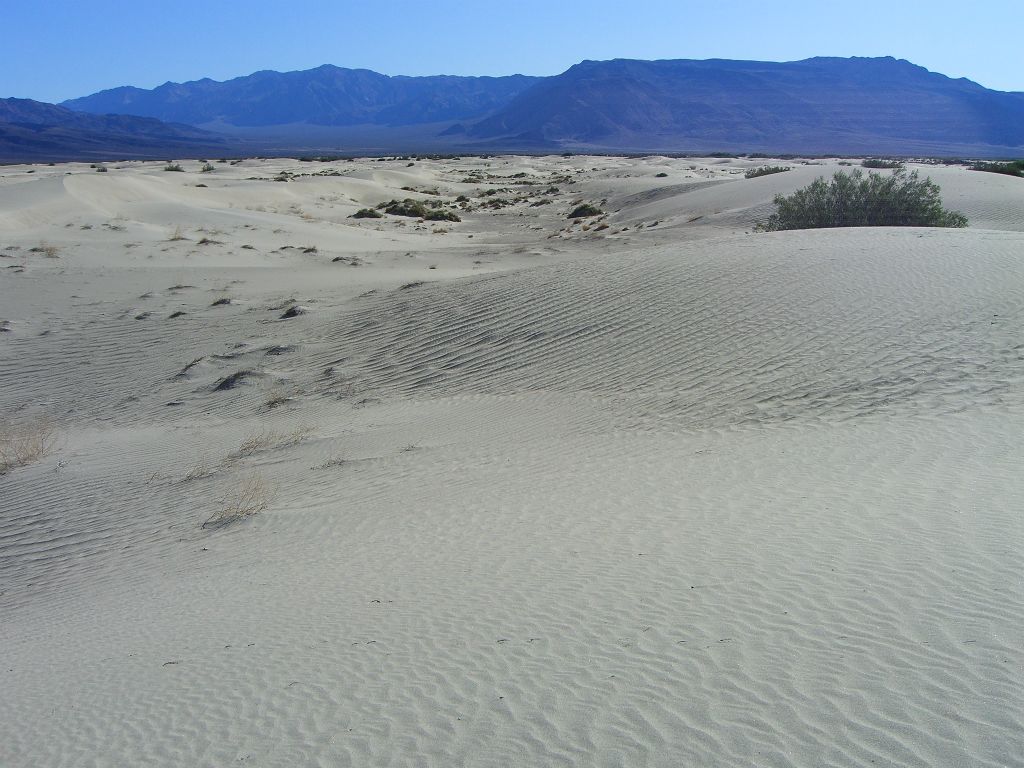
662, 493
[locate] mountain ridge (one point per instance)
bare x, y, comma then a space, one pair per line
820, 105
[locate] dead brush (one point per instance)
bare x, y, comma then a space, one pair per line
265, 440
45, 248
202, 468
25, 442
251, 497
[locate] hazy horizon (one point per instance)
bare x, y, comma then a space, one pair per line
111, 43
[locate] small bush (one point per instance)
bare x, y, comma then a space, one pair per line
442, 215
662, 175
582, 211
251, 497
24, 443
1012, 168
851, 200
407, 207
50, 251
367, 213
174, 167
101, 169
874, 162
766, 170
207, 168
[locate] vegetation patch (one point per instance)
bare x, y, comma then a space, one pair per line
900, 199
1012, 168
582, 211
876, 162
367, 213
765, 170
25, 442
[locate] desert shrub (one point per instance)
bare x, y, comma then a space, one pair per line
25, 442
765, 170
582, 211
174, 167
1012, 168
207, 168
442, 215
250, 498
48, 250
875, 162
407, 207
899, 199
367, 213
101, 169
661, 175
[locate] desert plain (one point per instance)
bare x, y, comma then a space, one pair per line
644, 488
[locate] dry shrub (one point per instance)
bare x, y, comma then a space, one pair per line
201, 469
251, 497
25, 442
45, 248
266, 439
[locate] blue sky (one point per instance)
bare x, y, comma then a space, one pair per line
58, 49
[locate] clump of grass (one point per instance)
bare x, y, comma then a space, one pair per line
199, 470
251, 497
765, 170
899, 199
661, 175
207, 168
25, 442
265, 440
584, 210
101, 169
177, 235
367, 213
175, 167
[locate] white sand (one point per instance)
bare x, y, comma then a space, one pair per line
681, 495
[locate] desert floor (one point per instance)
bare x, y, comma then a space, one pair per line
643, 489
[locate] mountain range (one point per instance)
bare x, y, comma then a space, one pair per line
34, 131
819, 105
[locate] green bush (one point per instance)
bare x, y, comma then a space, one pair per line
441, 215
584, 210
1012, 168
367, 213
407, 207
174, 167
208, 168
764, 170
899, 199
874, 162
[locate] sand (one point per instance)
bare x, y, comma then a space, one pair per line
528, 492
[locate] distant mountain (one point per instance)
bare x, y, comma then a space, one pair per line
36, 131
816, 105
327, 95
819, 105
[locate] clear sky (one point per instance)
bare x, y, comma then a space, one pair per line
59, 49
